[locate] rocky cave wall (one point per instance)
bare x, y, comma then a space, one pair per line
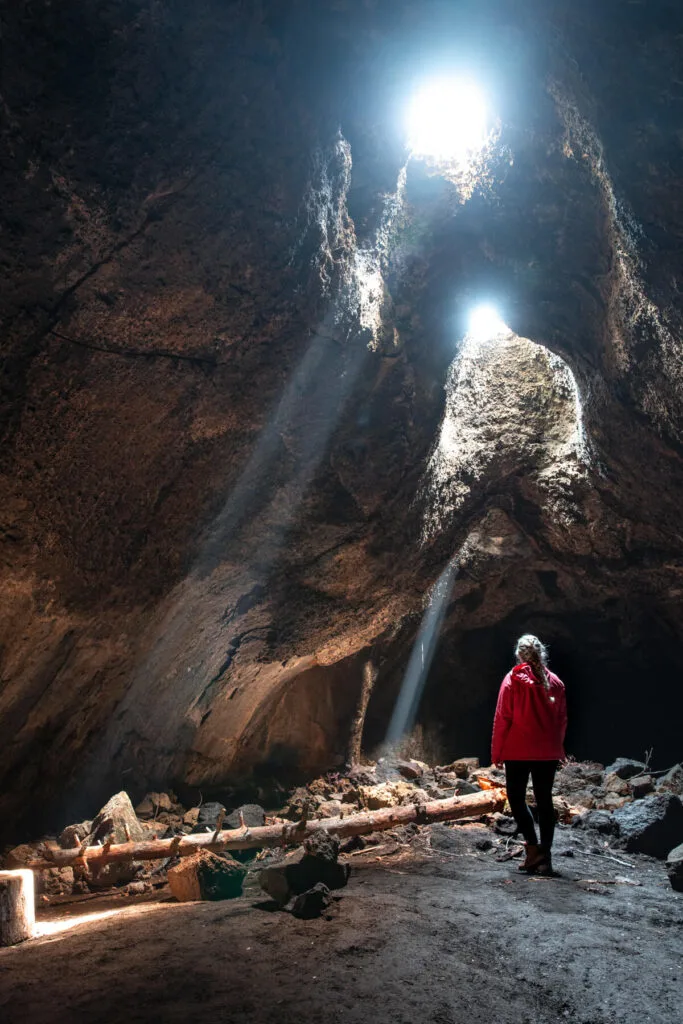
232, 468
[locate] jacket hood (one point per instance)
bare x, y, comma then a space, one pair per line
525, 674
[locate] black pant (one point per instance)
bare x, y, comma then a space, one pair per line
542, 778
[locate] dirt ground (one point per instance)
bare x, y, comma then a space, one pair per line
440, 931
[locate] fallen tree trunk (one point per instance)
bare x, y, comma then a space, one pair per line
278, 835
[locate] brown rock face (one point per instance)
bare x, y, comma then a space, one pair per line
242, 434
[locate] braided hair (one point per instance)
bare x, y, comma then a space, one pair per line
530, 649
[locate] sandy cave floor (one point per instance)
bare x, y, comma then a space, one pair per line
439, 931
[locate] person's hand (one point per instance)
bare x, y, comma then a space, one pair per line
499, 765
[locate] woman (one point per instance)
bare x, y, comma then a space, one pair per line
528, 737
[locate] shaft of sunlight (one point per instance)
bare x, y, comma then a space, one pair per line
412, 687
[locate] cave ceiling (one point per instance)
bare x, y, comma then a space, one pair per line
241, 437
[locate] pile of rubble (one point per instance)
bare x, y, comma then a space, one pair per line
639, 810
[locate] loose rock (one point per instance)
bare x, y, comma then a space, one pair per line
674, 867
206, 876
625, 768
73, 835
253, 816
616, 784
597, 821
208, 817
653, 825
410, 769
115, 823
315, 862
672, 781
311, 903
152, 804
641, 785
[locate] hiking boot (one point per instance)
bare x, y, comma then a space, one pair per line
545, 865
535, 856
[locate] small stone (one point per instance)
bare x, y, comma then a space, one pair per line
672, 782
596, 821
377, 797
253, 816
464, 788
612, 802
504, 825
625, 768
616, 784
303, 804
410, 769
20, 856
73, 835
462, 767
138, 888
57, 881
674, 868
641, 785
191, 817
206, 876
208, 816
152, 804
330, 809
311, 903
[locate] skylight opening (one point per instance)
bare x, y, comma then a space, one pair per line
448, 120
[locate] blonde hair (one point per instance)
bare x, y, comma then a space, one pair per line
530, 649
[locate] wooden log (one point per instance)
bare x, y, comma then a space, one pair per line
279, 835
17, 907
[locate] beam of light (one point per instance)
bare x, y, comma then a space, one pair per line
65, 924
447, 120
412, 687
485, 324
193, 673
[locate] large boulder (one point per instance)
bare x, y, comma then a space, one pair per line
626, 768
115, 823
653, 825
303, 869
674, 867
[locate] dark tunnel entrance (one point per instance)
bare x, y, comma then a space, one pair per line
617, 667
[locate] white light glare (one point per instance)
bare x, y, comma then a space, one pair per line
485, 324
447, 120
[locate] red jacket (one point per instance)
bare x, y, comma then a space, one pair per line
530, 721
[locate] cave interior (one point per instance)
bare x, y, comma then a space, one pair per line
247, 418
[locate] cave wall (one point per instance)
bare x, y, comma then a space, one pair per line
216, 484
